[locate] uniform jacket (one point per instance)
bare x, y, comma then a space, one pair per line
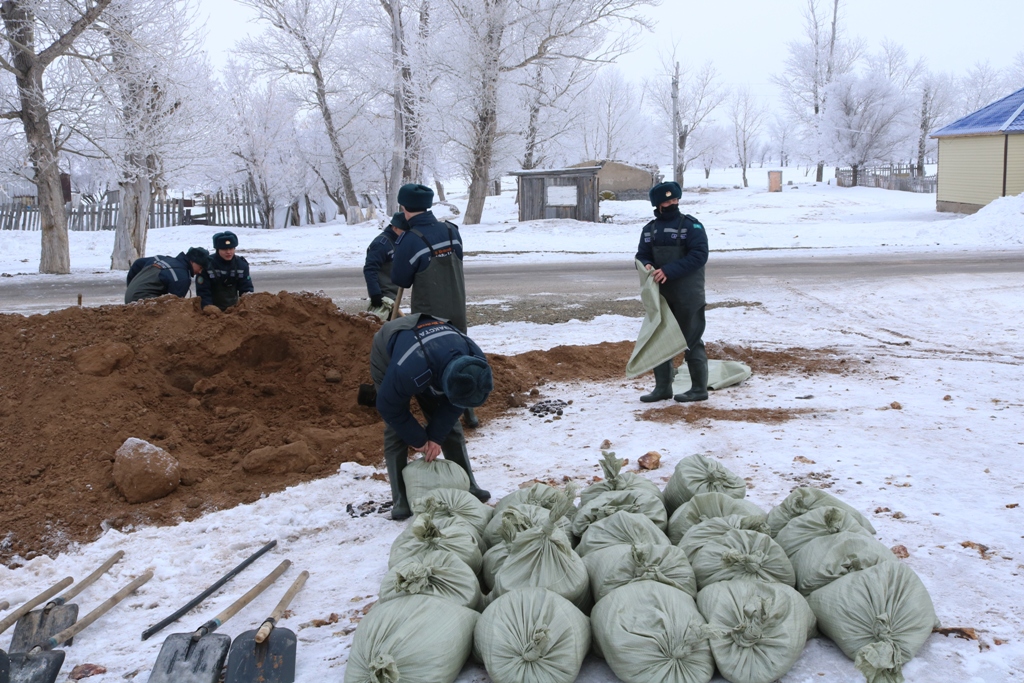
175, 273
412, 255
380, 252
673, 231
234, 272
407, 359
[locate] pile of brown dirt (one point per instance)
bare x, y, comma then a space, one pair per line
209, 389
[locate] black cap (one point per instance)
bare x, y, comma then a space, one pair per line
199, 256
225, 240
662, 192
398, 220
415, 197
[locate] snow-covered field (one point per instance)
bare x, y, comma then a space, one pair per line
951, 467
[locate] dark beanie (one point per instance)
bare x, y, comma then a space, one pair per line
398, 220
414, 197
199, 256
467, 381
225, 240
662, 192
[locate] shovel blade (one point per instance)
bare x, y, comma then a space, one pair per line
182, 661
41, 667
39, 626
272, 661
5, 668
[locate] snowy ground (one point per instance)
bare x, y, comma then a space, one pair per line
952, 468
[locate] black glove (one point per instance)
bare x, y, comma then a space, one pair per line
376, 300
367, 395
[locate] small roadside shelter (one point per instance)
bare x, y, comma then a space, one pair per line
981, 156
558, 193
624, 181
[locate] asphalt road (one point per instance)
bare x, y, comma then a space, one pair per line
728, 274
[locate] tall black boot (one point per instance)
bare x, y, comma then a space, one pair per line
454, 449
663, 383
698, 390
470, 419
396, 456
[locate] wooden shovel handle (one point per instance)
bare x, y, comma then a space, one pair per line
38, 600
73, 630
91, 579
278, 612
241, 602
396, 311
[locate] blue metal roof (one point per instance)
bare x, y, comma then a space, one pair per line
1003, 116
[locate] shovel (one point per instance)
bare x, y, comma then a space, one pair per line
266, 655
199, 657
56, 615
5, 663
42, 663
396, 311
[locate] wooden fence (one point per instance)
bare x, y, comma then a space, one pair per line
234, 208
901, 177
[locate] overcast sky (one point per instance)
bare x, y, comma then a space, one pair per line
746, 39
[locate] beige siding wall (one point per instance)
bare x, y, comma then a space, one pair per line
1015, 165
971, 169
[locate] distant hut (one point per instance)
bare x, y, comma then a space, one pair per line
624, 181
558, 193
981, 156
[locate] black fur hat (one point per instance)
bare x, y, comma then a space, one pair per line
414, 197
662, 192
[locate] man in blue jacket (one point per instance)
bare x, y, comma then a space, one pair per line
427, 358
226, 277
377, 268
155, 276
675, 247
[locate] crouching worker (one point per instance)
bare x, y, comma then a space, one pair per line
227, 276
155, 276
428, 358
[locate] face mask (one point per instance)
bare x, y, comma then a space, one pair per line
670, 211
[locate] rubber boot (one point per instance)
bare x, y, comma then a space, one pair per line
459, 456
663, 384
470, 419
396, 456
698, 390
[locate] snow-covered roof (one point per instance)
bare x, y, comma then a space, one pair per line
1003, 116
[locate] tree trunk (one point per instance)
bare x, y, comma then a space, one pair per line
530, 160
820, 174
922, 140
398, 161
485, 128
132, 223
440, 190
344, 174
856, 174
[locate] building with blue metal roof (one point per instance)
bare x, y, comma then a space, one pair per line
981, 156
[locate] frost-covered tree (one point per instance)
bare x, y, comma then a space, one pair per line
35, 34
747, 116
1015, 73
864, 119
979, 87
611, 121
498, 38
934, 96
813, 64
779, 139
552, 97
713, 145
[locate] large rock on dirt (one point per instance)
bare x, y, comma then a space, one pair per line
102, 359
144, 472
293, 457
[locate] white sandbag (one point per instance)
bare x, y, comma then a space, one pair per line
804, 499
705, 506
423, 536
527, 515
879, 617
532, 636
539, 494
711, 529
422, 477
699, 474
608, 503
652, 633
759, 629
825, 559
617, 480
398, 641
615, 566
622, 527
456, 503
742, 554
823, 521
438, 573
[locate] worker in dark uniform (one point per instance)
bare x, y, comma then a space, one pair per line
226, 278
155, 276
426, 357
428, 258
377, 268
675, 247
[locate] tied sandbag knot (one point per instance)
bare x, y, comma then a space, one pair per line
383, 669
425, 530
539, 645
750, 563
880, 662
833, 520
415, 579
750, 631
433, 506
512, 522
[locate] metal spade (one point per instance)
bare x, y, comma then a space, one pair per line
198, 657
42, 663
56, 615
266, 655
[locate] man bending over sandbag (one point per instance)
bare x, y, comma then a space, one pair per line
428, 358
